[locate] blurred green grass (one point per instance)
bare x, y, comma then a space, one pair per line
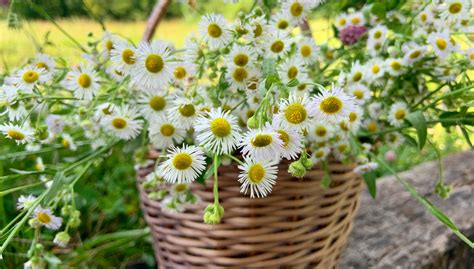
16, 45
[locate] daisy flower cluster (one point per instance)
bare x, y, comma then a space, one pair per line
251, 93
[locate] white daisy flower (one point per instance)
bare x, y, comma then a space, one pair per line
365, 168
39, 165
123, 123
281, 22
103, 110
356, 18
292, 68
355, 119
296, 112
21, 134
261, 145
107, 44
413, 53
356, 74
277, 44
360, 92
321, 132
297, 9
333, 106
154, 68
341, 149
123, 56
371, 125
241, 55
454, 10
218, 131
259, 29
68, 142
183, 112
441, 43
470, 55
184, 165
26, 78
307, 50
341, 21
153, 105
375, 110
393, 139
375, 69
398, 112
239, 77
44, 217
115, 74
183, 71
258, 176
83, 81
61, 239
163, 133
214, 31
25, 202
291, 138
425, 17
375, 47
378, 33
320, 154
14, 109
46, 62
394, 66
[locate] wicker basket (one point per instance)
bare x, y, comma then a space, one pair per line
299, 225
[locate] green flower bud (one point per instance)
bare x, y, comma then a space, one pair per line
224, 50
74, 222
213, 214
62, 239
252, 122
297, 169
258, 11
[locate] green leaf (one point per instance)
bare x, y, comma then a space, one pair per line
208, 173
292, 83
417, 120
379, 10
370, 179
58, 181
410, 141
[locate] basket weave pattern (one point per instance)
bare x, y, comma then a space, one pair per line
299, 225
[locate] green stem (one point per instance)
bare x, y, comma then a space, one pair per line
429, 95
235, 159
216, 187
447, 95
5, 192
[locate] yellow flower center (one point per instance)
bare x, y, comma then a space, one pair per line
320, 131
157, 103
352, 116
43, 217
220, 127
343, 126
296, 9
84, 80
396, 65
182, 161
154, 63
65, 143
415, 54
282, 24
292, 72
109, 45
17, 135
258, 31
377, 46
441, 43
179, 72
372, 127
277, 46
356, 20
214, 30
30, 76
378, 34
180, 187
319, 154
359, 94
306, 50
357, 76
285, 137
471, 56
119, 123
127, 56
342, 147
400, 114
256, 173
423, 17
42, 65
187, 110
249, 113
240, 74
455, 8
261, 140
375, 69
331, 105
295, 113
167, 129
241, 59
330, 55
342, 22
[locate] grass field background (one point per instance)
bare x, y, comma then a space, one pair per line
16, 45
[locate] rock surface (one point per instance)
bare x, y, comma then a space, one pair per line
396, 231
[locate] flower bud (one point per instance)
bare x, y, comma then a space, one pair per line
213, 214
297, 169
62, 239
252, 122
